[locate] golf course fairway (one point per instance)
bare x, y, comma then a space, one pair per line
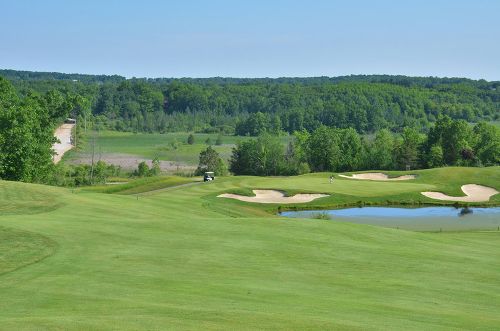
181, 258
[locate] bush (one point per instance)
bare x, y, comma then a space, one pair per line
155, 168
142, 170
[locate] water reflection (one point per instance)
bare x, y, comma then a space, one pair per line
423, 218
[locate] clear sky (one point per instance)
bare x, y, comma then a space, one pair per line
253, 38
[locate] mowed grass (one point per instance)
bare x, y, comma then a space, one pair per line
151, 145
21, 248
19, 198
141, 185
184, 259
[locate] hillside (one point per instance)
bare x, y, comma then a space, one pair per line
367, 103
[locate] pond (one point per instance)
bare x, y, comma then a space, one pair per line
418, 219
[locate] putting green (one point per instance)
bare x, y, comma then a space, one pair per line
184, 259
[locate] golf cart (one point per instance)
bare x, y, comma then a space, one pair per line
209, 176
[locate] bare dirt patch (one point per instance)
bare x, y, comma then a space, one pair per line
473, 193
63, 134
377, 176
273, 196
130, 162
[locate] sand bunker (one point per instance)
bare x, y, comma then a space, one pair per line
377, 176
272, 196
473, 193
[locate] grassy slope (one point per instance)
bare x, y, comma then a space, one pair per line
141, 185
19, 198
183, 259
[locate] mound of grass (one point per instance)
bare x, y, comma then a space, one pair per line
243, 191
21, 248
141, 185
21, 198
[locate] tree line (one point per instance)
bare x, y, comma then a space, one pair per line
252, 106
448, 143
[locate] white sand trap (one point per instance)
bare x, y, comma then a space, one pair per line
272, 196
63, 134
377, 176
473, 193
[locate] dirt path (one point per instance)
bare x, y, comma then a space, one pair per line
473, 193
272, 196
63, 134
377, 176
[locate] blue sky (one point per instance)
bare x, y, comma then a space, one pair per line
253, 38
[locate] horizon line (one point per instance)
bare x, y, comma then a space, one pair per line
248, 77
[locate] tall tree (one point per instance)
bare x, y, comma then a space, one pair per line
487, 143
26, 132
381, 151
407, 152
210, 160
324, 151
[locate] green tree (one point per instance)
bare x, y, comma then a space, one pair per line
300, 145
263, 156
381, 151
100, 173
487, 143
435, 158
323, 153
26, 132
155, 167
350, 150
407, 151
210, 160
143, 169
454, 136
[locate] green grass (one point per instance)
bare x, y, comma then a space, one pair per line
18, 198
183, 259
22, 248
141, 185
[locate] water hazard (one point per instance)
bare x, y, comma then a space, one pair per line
419, 219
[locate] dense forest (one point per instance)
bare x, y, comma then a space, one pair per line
254, 106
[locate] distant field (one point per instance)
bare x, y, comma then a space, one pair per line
122, 145
181, 258
496, 123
